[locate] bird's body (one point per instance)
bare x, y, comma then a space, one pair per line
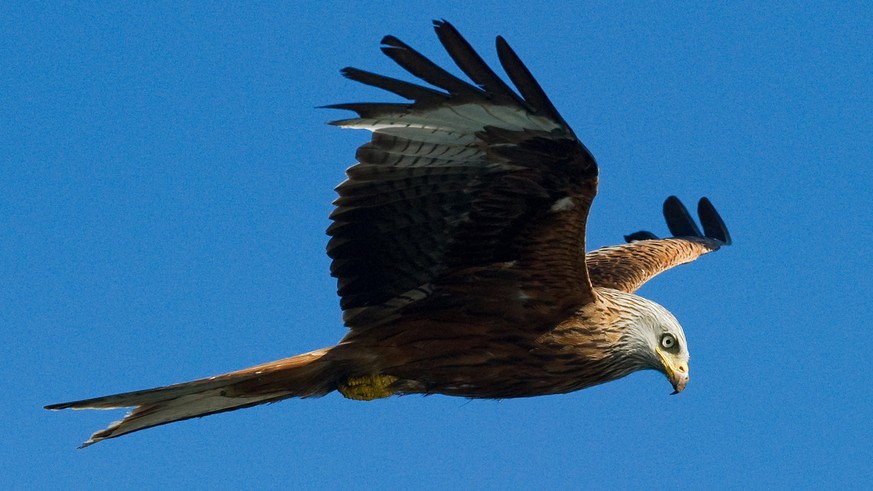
485, 360
458, 245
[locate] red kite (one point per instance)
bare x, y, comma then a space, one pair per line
458, 246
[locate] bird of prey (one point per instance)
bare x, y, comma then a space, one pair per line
458, 244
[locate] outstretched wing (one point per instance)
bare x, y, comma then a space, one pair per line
470, 200
626, 267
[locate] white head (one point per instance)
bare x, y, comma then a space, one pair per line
652, 338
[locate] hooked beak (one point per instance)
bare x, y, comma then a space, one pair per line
677, 374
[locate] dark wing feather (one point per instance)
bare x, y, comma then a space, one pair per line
472, 64
528, 86
713, 225
418, 65
678, 219
626, 267
399, 87
468, 201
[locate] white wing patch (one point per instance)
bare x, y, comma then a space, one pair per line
563, 204
462, 119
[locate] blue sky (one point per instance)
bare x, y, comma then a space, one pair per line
166, 183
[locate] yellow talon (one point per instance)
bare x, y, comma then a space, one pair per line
368, 387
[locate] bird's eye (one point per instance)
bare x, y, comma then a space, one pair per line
668, 341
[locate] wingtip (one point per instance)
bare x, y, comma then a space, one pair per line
335, 106
58, 406
339, 122
673, 201
713, 225
348, 71
682, 224
99, 436
679, 220
443, 27
391, 41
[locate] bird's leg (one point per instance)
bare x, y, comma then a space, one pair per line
368, 387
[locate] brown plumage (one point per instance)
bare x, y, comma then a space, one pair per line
458, 246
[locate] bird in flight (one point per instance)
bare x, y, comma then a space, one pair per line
458, 244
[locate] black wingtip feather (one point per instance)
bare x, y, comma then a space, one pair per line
487, 85
713, 225
469, 61
679, 221
525, 82
366, 109
402, 88
420, 66
682, 225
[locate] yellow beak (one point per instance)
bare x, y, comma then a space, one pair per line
677, 374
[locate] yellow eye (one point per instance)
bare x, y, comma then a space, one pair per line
668, 341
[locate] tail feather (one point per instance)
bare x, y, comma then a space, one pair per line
306, 375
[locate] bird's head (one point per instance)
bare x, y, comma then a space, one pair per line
653, 339
672, 351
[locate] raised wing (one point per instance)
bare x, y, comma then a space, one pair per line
626, 267
469, 201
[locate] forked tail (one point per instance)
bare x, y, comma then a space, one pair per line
306, 375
